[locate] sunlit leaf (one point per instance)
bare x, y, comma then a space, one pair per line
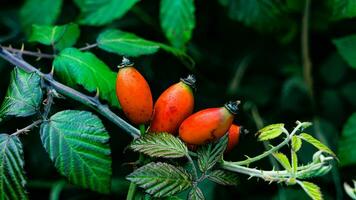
296, 143
77, 143
270, 132
316, 143
311, 189
283, 160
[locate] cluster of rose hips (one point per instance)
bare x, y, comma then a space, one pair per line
172, 112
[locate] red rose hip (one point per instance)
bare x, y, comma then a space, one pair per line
174, 105
208, 124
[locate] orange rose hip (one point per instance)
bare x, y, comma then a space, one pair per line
208, 124
233, 137
133, 93
174, 105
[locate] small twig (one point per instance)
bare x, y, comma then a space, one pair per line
38, 54
88, 46
48, 103
27, 128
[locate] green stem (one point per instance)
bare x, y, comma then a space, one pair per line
132, 188
131, 192
272, 150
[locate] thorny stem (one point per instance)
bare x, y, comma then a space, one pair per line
29, 53
27, 128
273, 175
91, 102
273, 149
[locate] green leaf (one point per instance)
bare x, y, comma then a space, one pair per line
283, 160
84, 68
177, 20
160, 145
210, 154
196, 194
60, 36
161, 179
342, 9
223, 177
264, 15
101, 12
24, 95
77, 143
296, 143
124, 43
316, 143
345, 47
346, 146
42, 12
270, 132
294, 158
311, 189
12, 176
350, 191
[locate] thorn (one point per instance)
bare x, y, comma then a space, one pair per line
22, 47
39, 52
97, 94
249, 177
52, 71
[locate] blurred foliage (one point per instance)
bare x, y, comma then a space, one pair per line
243, 49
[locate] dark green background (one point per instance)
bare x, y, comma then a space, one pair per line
272, 83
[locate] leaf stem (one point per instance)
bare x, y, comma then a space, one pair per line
91, 102
27, 128
195, 172
89, 46
273, 149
